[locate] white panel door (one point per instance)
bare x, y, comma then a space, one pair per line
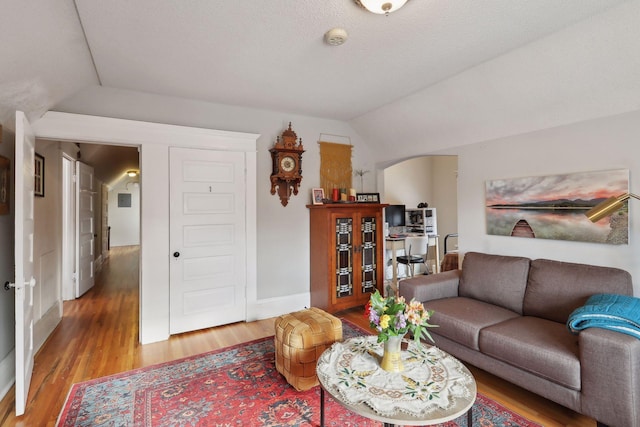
208, 270
24, 280
85, 228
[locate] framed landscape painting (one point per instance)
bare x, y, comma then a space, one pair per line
554, 207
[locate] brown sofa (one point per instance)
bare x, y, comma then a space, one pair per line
507, 315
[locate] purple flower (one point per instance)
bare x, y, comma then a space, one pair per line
374, 317
401, 321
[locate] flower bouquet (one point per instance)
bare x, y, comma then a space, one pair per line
393, 317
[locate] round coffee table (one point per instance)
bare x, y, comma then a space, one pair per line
435, 387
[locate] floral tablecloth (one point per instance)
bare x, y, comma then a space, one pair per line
432, 380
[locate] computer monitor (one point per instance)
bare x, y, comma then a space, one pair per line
394, 215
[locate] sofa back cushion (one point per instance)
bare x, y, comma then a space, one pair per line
557, 288
496, 279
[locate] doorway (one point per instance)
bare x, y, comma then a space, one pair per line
110, 166
431, 180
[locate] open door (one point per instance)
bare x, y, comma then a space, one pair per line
24, 280
85, 228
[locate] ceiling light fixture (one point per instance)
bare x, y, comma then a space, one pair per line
132, 173
381, 7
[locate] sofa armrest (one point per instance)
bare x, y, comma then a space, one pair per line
610, 369
432, 286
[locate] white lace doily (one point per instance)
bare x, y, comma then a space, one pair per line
432, 379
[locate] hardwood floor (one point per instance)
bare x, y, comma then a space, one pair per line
98, 336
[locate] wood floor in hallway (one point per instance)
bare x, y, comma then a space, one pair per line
98, 336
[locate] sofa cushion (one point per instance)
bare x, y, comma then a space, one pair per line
461, 319
539, 346
557, 288
496, 279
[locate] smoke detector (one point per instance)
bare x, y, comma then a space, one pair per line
335, 36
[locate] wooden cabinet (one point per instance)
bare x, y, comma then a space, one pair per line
347, 260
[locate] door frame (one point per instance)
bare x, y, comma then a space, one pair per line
154, 141
68, 227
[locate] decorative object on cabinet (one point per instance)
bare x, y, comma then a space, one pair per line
335, 166
38, 173
286, 156
347, 256
4, 185
317, 195
361, 173
368, 197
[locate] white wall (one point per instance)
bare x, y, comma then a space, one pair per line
409, 183
124, 222
601, 144
445, 197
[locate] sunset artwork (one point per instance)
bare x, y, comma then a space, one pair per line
554, 207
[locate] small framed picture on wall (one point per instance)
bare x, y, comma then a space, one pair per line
38, 172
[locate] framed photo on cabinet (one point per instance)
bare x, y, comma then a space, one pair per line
317, 194
368, 197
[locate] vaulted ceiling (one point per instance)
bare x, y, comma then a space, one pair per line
450, 71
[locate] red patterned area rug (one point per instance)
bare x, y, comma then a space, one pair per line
234, 386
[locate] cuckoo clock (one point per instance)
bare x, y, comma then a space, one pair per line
286, 174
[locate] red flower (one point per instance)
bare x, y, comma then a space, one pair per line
367, 309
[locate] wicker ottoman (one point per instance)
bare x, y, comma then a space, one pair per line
300, 339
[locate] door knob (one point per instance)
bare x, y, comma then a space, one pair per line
9, 285
176, 254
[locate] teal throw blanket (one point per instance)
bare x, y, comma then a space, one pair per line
620, 313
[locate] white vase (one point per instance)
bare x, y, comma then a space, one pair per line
392, 355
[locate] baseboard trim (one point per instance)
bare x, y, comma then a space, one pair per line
273, 307
45, 326
7, 373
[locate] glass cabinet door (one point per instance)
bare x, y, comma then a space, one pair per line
368, 251
344, 254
